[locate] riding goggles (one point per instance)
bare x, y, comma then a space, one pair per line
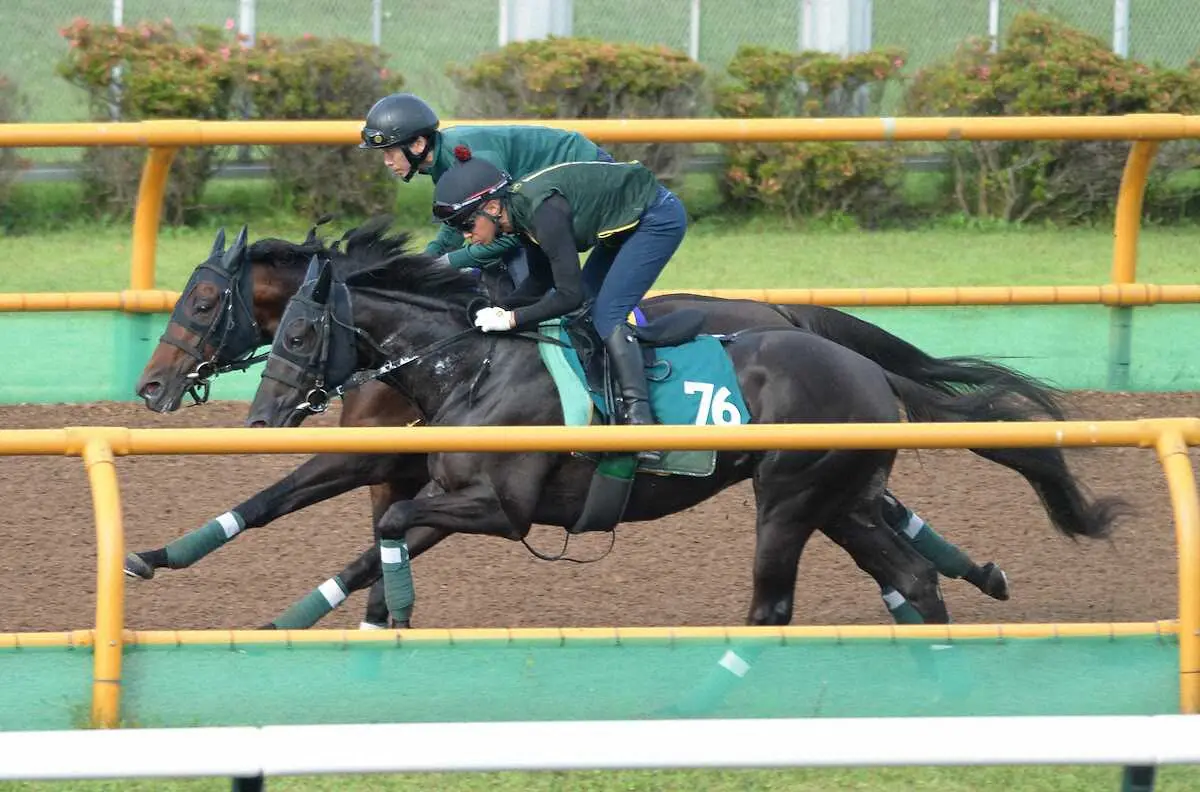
378, 138
461, 215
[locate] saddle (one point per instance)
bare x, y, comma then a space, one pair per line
666, 331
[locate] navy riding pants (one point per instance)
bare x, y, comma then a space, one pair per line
618, 274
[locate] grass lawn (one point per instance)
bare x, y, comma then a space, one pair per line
941, 779
718, 252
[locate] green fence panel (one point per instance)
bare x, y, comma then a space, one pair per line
92, 356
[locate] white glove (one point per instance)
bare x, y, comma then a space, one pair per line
443, 259
492, 320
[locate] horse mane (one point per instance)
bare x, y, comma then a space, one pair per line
369, 257
282, 254
372, 259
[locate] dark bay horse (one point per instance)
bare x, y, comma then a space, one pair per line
233, 302
408, 307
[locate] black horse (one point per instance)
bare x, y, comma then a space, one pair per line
234, 300
412, 314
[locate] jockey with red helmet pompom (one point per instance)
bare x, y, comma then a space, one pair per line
631, 223
407, 130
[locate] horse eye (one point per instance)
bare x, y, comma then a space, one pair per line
203, 306
295, 340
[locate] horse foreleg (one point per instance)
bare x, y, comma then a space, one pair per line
475, 508
357, 575
318, 479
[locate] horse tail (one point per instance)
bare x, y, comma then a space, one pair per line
1071, 509
948, 375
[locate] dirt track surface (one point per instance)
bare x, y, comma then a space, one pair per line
691, 569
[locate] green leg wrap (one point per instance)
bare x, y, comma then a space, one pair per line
315, 605
397, 579
194, 545
901, 609
947, 558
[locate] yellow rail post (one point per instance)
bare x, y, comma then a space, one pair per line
147, 215
1126, 229
110, 583
1185, 503
1128, 223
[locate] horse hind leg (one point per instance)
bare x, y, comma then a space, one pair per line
842, 491
785, 521
950, 560
908, 581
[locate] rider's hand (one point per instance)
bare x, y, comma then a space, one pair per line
492, 320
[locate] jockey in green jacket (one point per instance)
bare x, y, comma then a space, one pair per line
407, 130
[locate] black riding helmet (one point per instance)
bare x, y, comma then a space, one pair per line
398, 120
465, 188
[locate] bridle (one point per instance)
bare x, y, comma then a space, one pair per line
231, 331
335, 355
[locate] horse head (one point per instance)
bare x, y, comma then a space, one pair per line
231, 305
213, 322
372, 289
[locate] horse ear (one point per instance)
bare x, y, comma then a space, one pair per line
218, 244
314, 269
320, 294
234, 254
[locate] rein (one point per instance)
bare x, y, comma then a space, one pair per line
318, 398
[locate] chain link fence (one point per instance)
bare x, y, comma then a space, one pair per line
424, 38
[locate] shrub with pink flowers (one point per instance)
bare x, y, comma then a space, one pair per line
810, 178
149, 71
1045, 67
154, 70
12, 108
314, 78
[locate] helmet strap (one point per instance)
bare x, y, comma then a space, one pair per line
495, 218
415, 161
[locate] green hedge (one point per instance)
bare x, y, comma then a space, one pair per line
1042, 67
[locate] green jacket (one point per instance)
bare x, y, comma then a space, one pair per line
606, 198
516, 150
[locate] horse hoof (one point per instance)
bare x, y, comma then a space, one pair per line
995, 582
135, 567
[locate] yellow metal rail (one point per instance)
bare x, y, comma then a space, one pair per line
1130, 294
1170, 437
164, 138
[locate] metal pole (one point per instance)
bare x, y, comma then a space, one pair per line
1138, 778
694, 32
502, 37
114, 102
994, 23
1121, 27
804, 28
377, 22
246, 20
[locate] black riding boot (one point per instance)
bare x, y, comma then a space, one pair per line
625, 356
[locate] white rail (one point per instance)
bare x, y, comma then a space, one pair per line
600, 745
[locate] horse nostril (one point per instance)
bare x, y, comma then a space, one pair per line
150, 389
257, 424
